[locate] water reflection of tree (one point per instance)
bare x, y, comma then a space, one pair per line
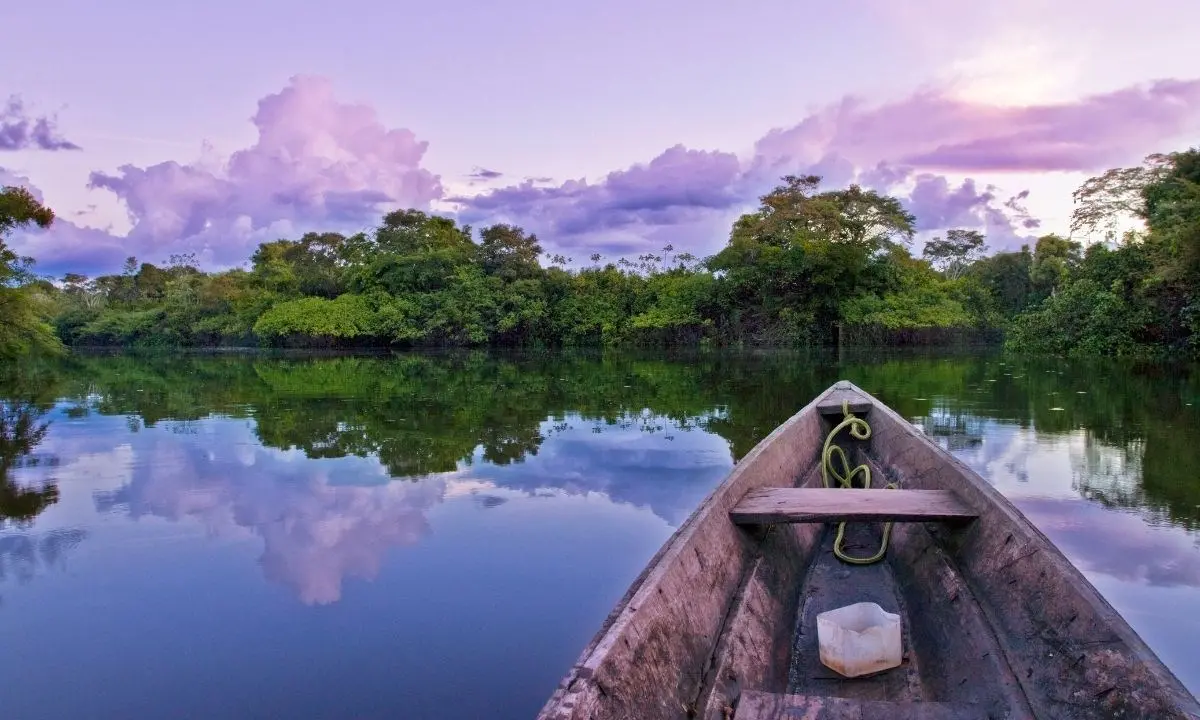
421, 414
21, 430
953, 429
1110, 475
1171, 473
22, 554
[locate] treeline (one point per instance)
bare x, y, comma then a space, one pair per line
1139, 291
806, 268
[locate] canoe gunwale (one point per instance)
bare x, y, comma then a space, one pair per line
1057, 639
581, 685
1003, 549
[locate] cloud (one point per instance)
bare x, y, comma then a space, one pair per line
65, 246
19, 131
8, 178
931, 130
938, 204
1099, 131
480, 174
899, 147
322, 164
679, 186
317, 163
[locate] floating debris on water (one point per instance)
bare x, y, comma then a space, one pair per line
1056, 408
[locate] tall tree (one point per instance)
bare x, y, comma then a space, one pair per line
506, 251
795, 210
1054, 258
23, 305
789, 265
955, 253
1005, 276
1102, 202
410, 252
316, 264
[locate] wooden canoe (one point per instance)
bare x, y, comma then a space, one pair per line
996, 622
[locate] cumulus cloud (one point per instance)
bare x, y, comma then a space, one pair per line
672, 188
65, 246
898, 147
8, 178
931, 130
938, 204
317, 162
20, 131
321, 163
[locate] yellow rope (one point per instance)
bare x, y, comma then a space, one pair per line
860, 430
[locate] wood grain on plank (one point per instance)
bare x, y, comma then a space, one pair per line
770, 706
831, 404
654, 655
800, 505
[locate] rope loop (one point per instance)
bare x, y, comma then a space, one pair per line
844, 475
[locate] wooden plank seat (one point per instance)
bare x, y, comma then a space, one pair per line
768, 506
995, 621
831, 405
754, 705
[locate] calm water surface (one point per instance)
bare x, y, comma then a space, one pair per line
439, 536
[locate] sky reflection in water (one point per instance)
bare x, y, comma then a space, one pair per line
543, 487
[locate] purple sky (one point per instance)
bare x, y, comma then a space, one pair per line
605, 127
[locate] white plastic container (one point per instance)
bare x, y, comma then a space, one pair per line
859, 639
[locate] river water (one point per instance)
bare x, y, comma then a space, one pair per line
438, 536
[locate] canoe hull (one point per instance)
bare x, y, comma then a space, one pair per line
995, 617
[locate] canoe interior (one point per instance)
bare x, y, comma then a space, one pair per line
996, 623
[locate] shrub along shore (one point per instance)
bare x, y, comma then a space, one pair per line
806, 268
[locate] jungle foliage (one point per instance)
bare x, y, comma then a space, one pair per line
801, 270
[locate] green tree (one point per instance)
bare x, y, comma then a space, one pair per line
1083, 319
790, 265
507, 252
313, 265
1054, 258
1103, 201
955, 253
410, 252
1006, 278
24, 305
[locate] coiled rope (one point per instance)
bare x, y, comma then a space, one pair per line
860, 430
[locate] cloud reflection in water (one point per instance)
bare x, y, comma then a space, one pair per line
315, 533
325, 520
